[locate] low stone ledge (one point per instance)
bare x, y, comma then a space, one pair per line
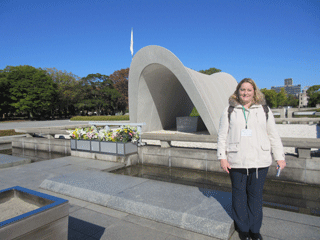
9, 139
11, 161
179, 137
191, 208
42, 131
127, 160
301, 142
304, 152
165, 144
61, 142
43, 144
50, 130
200, 159
297, 120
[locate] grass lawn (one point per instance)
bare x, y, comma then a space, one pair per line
9, 132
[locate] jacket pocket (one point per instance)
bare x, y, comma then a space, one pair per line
265, 146
233, 147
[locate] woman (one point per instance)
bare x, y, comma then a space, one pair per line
247, 136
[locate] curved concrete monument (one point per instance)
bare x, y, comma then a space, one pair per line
161, 89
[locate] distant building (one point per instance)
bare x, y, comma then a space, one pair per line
288, 82
303, 98
290, 89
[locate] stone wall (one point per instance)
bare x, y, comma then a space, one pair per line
43, 144
299, 169
305, 170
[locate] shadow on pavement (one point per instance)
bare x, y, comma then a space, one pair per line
82, 230
224, 198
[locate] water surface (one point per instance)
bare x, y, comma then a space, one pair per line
290, 196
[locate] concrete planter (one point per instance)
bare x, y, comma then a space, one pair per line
83, 145
73, 144
108, 147
113, 148
95, 146
127, 148
47, 220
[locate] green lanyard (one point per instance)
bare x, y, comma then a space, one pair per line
246, 118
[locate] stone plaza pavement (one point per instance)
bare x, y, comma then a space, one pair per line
33, 124
88, 220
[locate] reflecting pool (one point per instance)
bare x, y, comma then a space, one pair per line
290, 196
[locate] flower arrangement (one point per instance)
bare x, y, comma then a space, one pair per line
84, 133
124, 134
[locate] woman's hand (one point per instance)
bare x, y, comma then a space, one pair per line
282, 164
225, 165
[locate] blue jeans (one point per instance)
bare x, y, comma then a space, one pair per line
247, 198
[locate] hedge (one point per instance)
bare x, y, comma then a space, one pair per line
101, 118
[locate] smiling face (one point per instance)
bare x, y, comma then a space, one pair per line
246, 93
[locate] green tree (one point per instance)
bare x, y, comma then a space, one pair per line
31, 90
210, 71
292, 101
120, 80
313, 93
98, 94
109, 96
271, 97
281, 98
67, 84
5, 99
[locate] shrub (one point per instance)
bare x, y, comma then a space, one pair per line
194, 113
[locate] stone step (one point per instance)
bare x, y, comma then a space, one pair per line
200, 210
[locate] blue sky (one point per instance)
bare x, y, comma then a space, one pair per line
267, 41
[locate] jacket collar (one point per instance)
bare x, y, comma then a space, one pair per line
235, 103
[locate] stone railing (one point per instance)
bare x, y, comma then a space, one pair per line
287, 115
297, 120
292, 111
302, 168
303, 145
48, 132
118, 124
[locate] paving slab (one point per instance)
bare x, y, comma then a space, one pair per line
186, 207
37, 124
283, 229
10, 161
277, 224
292, 217
127, 230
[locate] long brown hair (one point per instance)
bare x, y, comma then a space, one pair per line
258, 96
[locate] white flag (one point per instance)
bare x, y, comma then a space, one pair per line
131, 44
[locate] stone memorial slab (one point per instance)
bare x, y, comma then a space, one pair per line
200, 210
187, 124
10, 161
190, 124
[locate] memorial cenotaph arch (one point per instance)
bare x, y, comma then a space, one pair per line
161, 88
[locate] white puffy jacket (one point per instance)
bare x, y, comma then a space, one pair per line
249, 151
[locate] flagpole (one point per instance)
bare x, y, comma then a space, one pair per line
131, 44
